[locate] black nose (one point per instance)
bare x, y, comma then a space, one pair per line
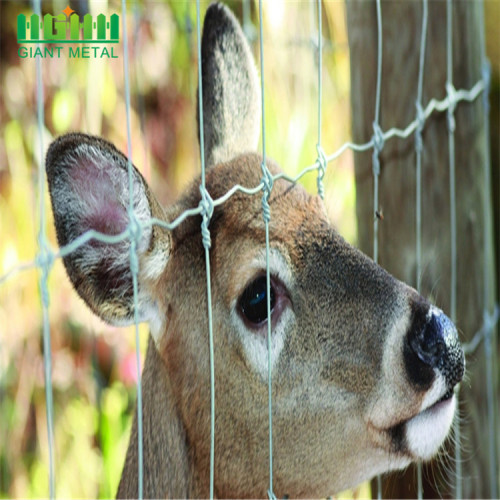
432, 344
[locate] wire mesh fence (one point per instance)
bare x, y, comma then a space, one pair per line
46, 256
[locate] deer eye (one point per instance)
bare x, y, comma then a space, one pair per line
253, 301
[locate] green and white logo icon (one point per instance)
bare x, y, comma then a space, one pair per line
67, 28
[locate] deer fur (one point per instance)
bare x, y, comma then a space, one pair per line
363, 367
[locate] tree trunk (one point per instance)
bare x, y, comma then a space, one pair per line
402, 26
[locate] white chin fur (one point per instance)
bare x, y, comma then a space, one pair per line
426, 432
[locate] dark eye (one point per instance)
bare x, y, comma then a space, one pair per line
253, 302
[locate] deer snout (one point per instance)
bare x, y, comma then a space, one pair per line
432, 346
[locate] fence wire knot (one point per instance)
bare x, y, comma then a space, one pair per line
452, 104
486, 74
490, 320
378, 145
267, 180
271, 495
135, 233
322, 163
134, 227
44, 260
485, 332
134, 260
420, 127
207, 210
378, 138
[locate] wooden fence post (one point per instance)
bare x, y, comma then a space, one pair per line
402, 23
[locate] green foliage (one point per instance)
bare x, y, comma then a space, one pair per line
114, 428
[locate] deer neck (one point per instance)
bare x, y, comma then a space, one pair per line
167, 466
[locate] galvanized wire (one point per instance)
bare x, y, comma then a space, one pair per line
267, 185
489, 340
418, 183
453, 220
434, 105
321, 161
378, 144
378, 136
44, 260
207, 207
420, 119
134, 235
46, 256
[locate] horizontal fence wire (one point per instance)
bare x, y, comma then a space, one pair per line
46, 255
462, 95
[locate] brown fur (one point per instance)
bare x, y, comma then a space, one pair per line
318, 361
346, 385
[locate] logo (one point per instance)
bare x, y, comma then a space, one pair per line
92, 38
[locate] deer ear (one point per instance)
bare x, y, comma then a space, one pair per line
231, 92
89, 189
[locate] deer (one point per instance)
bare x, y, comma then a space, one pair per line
364, 369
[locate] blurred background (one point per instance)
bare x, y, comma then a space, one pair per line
94, 370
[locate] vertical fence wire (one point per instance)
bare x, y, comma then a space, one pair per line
45, 261
248, 27
134, 229
246, 16
378, 144
418, 158
419, 144
207, 211
321, 161
267, 180
488, 325
453, 218
378, 136
451, 146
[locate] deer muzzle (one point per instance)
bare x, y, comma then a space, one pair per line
432, 348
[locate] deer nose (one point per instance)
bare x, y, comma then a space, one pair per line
432, 344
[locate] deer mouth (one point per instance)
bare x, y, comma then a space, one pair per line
432, 410
422, 435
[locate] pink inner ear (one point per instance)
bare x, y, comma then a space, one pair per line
101, 189
109, 218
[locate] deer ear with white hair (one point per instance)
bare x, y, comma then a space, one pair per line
89, 188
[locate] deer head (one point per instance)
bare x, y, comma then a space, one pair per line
363, 367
